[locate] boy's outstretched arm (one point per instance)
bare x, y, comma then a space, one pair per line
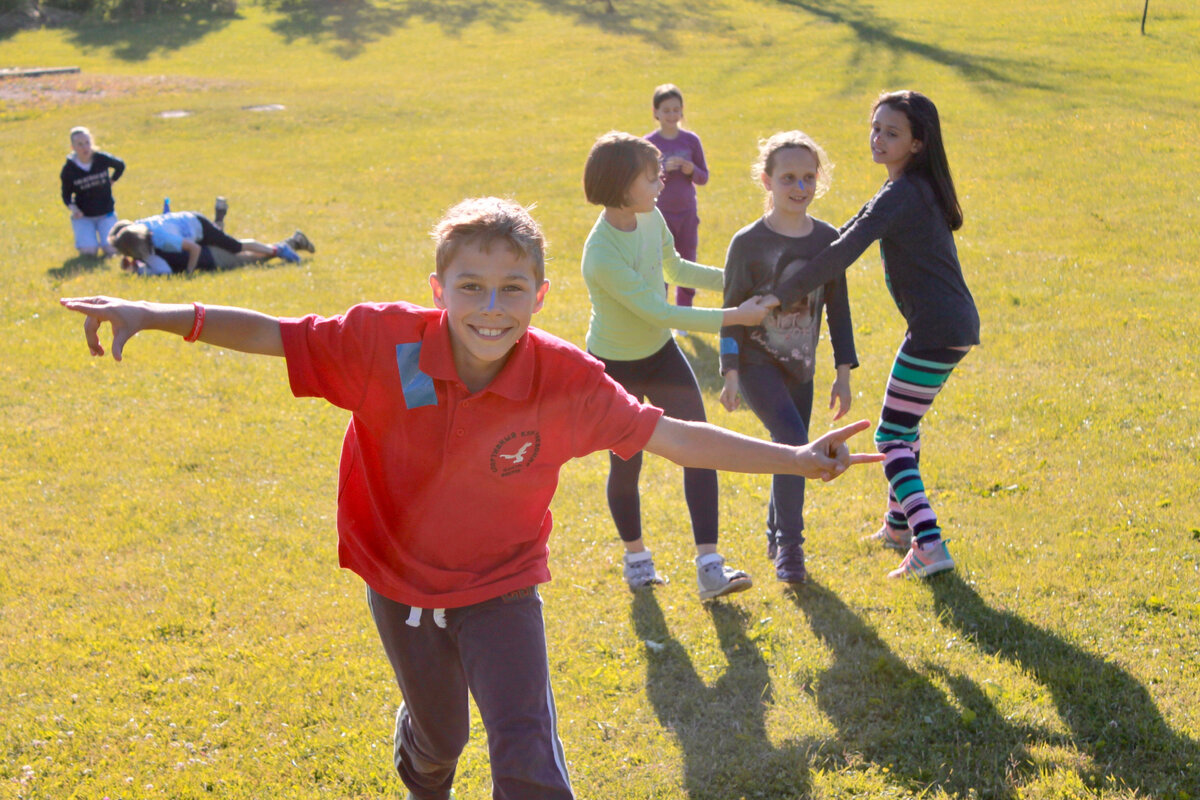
223, 326
698, 444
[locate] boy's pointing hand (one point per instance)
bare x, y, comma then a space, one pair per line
833, 456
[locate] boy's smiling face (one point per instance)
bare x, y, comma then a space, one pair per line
490, 296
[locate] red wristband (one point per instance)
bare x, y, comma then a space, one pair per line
197, 323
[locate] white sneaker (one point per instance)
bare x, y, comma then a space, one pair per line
639, 571
717, 580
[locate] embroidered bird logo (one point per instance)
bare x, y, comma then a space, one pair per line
518, 456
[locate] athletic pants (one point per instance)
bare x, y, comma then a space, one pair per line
685, 228
917, 377
667, 381
496, 650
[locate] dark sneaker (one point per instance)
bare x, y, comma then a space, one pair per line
717, 580
639, 571
789, 564
284, 251
298, 241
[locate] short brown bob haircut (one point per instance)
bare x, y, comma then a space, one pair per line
484, 221
616, 159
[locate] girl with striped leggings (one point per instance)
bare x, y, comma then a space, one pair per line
913, 217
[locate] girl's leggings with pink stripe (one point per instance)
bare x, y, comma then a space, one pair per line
917, 377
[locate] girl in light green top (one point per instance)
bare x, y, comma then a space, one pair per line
625, 260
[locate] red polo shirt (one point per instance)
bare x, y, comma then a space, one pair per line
444, 496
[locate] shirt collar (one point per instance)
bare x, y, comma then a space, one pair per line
514, 382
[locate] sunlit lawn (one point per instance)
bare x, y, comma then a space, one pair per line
173, 623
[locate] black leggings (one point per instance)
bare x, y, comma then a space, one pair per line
212, 236
667, 381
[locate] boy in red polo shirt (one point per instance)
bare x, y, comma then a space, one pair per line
463, 395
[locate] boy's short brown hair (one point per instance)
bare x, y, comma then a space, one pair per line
616, 159
483, 220
131, 239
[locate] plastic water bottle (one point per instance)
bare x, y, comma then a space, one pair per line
166, 205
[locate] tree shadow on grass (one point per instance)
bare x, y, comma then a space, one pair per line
76, 265
720, 728
893, 716
1110, 714
350, 25
877, 36
139, 40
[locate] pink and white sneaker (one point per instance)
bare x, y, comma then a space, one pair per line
921, 561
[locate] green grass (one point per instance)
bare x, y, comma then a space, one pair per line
173, 623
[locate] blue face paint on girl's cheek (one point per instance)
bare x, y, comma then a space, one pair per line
492, 301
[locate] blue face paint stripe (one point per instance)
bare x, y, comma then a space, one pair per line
417, 386
492, 302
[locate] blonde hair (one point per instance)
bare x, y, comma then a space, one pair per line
80, 129
483, 220
786, 140
131, 239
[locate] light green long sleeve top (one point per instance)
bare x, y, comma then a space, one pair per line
624, 272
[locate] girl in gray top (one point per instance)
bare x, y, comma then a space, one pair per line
912, 217
771, 365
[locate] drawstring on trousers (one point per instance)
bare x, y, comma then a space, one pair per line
414, 617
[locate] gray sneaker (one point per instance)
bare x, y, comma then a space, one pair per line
717, 580
298, 241
639, 571
219, 210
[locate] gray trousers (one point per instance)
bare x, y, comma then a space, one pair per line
496, 651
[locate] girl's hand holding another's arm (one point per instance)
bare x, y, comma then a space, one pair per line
750, 312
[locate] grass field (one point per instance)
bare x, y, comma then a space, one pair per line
173, 623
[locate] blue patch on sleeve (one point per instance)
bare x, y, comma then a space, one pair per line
418, 387
729, 347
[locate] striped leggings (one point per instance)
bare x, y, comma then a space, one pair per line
917, 377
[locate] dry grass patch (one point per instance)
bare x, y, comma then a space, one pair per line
46, 92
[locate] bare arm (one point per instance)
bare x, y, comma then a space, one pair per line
193, 253
224, 326
698, 444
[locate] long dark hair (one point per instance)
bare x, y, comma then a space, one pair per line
929, 161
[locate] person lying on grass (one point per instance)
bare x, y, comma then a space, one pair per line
463, 400
151, 240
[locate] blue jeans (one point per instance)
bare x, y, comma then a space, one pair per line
91, 233
784, 404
